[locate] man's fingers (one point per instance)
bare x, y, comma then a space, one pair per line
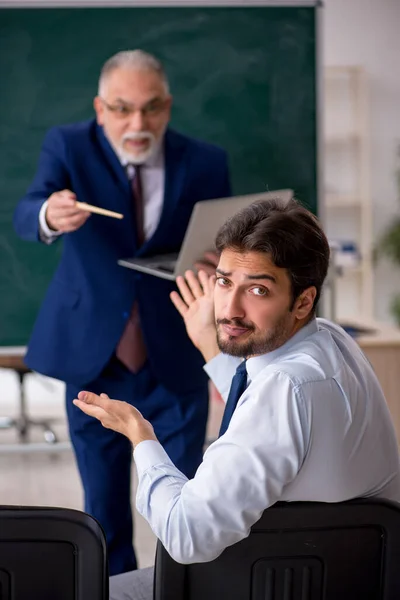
91, 398
62, 202
61, 212
211, 283
77, 219
212, 257
208, 263
90, 409
207, 281
194, 284
94, 405
185, 290
67, 211
68, 195
68, 224
179, 303
207, 267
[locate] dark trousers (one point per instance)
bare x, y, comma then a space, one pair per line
104, 457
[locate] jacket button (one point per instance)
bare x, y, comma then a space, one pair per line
125, 314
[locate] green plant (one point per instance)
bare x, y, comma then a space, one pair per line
395, 308
389, 245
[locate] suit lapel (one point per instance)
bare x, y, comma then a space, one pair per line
175, 172
116, 188
117, 170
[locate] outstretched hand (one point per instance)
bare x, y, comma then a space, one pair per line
116, 415
195, 303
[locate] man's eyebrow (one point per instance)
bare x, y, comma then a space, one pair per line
122, 101
262, 276
251, 277
224, 273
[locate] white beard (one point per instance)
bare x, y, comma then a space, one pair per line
137, 158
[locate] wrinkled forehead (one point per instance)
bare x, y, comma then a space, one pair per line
133, 85
251, 266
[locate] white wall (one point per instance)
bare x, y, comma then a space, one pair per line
367, 33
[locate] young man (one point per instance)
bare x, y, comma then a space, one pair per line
103, 327
305, 417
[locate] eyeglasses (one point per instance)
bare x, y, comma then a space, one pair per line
122, 110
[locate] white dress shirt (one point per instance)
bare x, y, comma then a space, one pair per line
153, 180
312, 425
152, 174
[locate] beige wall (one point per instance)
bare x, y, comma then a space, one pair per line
366, 33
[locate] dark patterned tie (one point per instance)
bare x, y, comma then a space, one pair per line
131, 349
238, 386
138, 203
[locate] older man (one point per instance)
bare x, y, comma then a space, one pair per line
305, 417
101, 326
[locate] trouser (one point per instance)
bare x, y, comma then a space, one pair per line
136, 585
104, 457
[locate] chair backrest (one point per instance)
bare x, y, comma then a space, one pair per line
298, 551
51, 554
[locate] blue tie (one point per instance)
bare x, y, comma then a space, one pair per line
238, 385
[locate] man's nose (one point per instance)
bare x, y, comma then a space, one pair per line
137, 121
233, 307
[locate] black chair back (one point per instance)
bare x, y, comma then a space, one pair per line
298, 551
51, 554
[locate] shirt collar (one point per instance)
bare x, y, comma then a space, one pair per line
256, 364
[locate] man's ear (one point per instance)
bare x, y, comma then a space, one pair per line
305, 303
99, 110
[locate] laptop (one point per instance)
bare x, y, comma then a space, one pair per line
206, 219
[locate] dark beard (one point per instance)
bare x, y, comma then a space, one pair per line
254, 347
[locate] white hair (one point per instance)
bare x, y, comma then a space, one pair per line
133, 59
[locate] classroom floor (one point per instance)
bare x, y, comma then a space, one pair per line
51, 479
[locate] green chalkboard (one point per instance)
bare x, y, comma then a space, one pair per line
244, 78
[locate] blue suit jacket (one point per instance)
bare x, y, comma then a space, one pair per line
89, 298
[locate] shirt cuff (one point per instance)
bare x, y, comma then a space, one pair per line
148, 454
46, 234
221, 370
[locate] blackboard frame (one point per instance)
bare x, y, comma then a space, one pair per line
76, 4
